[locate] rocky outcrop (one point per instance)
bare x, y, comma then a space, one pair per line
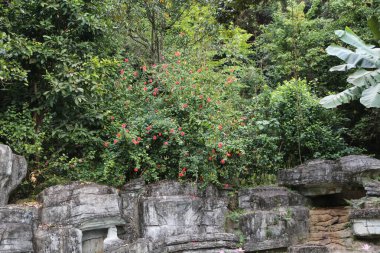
323, 177
271, 218
13, 169
16, 228
175, 217
58, 239
81, 205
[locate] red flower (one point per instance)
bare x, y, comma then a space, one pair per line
213, 151
166, 143
177, 82
185, 106
226, 186
126, 60
155, 89
118, 135
135, 73
184, 169
180, 174
201, 96
210, 158
199, 70
229, 154
220, 145
178, 54
126, 130
222, 161
106, 144
180, 129
122, 72
154, 93
124, 125
154, 65
154, 137
115, 141
135, 142
136, 169
208, 100
143, 68
200, 106
159, 134
112, 118
150, 80
138, 139
182, 133
145, 88
220, 127
171, 130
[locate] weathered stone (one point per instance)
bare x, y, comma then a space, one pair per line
16, 229
266, 198
13, 169
274, 229
372, 187
308, 248
201, 242
366, 222
112, 242
171, 208
84, 206
58, 239
324, 177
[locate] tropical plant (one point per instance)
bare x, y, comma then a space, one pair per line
366, 82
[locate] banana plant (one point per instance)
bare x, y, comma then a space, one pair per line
365, 80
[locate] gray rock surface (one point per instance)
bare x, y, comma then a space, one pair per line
266, 198
13, 169
308, 248
271, 218
171, 208
274, 229
58, 240
81, 205
16, 228
323, 177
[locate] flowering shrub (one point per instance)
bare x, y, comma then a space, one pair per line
177, 121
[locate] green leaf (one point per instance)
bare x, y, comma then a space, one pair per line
364, 77
351, 58
345, 96
371, 97
374, 26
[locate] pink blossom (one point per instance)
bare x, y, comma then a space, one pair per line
220, 145
123, 125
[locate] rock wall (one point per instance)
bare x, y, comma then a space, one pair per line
171, 216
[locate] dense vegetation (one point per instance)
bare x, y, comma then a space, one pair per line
224, 92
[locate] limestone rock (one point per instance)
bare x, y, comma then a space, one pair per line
84, 206
308, 248
323, 177
267, 198
130, 195
16, 229
202, 243
13, 169
171, 208
366, 222
274, 229
58, 239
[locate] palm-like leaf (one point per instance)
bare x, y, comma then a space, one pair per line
366, 83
